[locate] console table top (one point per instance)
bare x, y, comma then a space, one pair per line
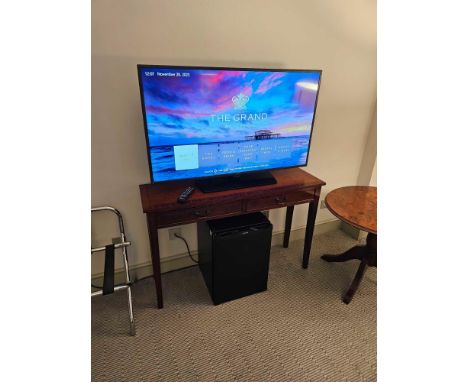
163, 196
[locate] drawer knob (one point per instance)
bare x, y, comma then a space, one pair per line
201, 213
280, 199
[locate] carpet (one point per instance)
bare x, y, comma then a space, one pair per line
298, 330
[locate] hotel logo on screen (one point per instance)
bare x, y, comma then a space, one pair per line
240, 101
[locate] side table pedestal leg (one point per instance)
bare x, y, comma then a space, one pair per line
368, 256
355, 284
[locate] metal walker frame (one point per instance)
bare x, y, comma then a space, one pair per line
122, 243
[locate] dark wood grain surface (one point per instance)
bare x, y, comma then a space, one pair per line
163, 196
356, 205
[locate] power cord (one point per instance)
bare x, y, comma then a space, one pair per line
188, 249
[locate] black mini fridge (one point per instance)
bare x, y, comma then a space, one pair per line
234, 254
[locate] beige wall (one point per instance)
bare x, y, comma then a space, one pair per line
368, 171
373, 180
338, 37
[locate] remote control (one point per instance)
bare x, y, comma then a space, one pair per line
185, 194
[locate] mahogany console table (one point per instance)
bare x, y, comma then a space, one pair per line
294, 186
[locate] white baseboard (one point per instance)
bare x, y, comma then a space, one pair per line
182, 260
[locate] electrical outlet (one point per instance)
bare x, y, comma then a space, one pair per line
173, 231
322, 204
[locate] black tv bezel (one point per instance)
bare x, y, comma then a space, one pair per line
142, 66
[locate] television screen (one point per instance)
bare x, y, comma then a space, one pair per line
203, 122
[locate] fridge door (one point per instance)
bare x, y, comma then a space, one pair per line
240, 262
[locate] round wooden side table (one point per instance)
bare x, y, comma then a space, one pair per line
357, 206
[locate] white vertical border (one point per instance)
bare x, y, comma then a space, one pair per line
422, 202
45, 159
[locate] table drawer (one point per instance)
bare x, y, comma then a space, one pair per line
281, 200
183, 216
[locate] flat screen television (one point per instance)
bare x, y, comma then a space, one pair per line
217, 124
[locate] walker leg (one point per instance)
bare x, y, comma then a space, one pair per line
130, 312
129, 291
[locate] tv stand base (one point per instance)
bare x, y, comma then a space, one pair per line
237, 181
